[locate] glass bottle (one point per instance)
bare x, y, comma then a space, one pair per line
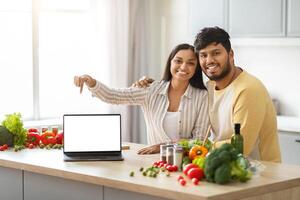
237, 139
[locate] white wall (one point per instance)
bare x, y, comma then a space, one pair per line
277, 66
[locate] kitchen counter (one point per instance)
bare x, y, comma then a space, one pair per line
277, 181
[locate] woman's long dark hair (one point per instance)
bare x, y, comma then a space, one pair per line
197, 80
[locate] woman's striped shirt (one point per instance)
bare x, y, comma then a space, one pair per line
154, 102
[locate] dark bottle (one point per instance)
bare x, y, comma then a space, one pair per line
237, 139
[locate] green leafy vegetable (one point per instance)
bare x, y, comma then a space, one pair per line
225, 164
5, 137
14, 124
188, 144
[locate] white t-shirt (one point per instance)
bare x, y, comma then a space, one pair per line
171, 125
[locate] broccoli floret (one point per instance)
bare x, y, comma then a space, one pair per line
226, 147
225, 156
212, 162
224, 164
223, 173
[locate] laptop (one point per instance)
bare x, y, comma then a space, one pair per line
92, 137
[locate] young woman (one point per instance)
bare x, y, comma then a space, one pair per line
175, 107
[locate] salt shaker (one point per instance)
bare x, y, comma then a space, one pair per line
170, 157
178, 155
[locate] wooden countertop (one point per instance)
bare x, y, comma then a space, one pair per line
115, 174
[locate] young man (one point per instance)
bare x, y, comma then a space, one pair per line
235, 96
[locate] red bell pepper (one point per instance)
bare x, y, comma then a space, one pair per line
33, 138
35, 130
48, 138
59, 138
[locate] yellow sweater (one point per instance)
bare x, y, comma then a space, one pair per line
245, 101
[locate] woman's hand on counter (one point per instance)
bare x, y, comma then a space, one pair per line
150, 149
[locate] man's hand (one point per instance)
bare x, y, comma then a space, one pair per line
143, 82
79, 81
150, 150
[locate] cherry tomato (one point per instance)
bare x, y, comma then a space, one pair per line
155, 164
161, 165
162, 161
182, 182
169, 168
179, 177
5, 146
30, 146
195, 181
174, 168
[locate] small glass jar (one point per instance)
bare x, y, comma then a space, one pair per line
170, 156
163, 154
177, 156
163, 151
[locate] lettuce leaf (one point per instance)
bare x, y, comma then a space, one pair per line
14, 124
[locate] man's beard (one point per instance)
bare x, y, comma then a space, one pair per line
224, 73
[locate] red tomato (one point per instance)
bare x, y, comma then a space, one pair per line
33, 130
30, 146
169, 168
174, 168
59, 138
188, 167
161, 165
179, 177
195, 181
182, 182
195, 173
162, 161
5, 146
155, 164
2, 148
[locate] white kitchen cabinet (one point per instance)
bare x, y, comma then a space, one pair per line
38, 186
11, 184
246, 18
257, 18
293, 18
114, 194
290, 147
203, 13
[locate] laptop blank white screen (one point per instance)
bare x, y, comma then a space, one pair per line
90, 133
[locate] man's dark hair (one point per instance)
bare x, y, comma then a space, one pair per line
210, 35
197, 80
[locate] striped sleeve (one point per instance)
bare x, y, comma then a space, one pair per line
126, 96
202, 121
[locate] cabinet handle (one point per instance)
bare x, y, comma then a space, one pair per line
297, 140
